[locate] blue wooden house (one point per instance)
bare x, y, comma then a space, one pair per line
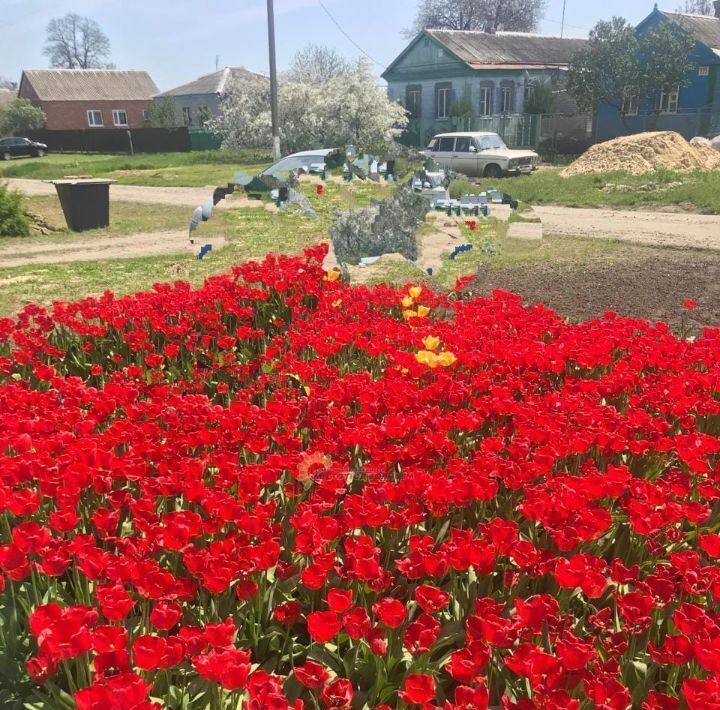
491, 74
692, 108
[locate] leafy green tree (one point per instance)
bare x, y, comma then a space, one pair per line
664, 59
161, 114
604, 70
542, 98
20, 116
617, 66
460, 112
203, 115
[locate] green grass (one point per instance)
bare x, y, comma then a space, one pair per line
125, 218
508, 253
193, 169
698, 191
249, 233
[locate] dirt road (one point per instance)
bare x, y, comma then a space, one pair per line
98, 248
663, 229
187, 196
657, 228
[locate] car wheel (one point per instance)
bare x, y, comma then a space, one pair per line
6, 156
40, 153
493, 171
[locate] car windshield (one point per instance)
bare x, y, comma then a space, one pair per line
492, 142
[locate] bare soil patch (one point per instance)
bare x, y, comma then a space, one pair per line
650, 284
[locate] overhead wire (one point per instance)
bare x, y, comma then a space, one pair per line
347, 36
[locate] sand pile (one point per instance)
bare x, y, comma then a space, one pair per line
645, 153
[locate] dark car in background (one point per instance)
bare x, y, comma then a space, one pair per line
21, 148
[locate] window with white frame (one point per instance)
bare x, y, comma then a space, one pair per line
95, 119
704, 71
631, 101
120, 117
443, 95
486, 100
506, 98
669, 99
413, 100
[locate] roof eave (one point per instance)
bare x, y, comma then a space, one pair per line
510, 65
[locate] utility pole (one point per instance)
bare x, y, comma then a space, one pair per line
562, 25
273, 81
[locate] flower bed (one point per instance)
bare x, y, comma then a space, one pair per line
281, 491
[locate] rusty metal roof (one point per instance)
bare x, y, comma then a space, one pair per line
704, 29
89, 84
478, 49
211, 83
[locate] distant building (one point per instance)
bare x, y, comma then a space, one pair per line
692, 108
492, 74
199, 100
89, 98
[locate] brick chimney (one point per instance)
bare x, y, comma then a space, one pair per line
716, 4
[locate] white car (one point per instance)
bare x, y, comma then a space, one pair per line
308, 161
480, 155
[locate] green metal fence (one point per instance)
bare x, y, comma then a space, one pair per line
202, 139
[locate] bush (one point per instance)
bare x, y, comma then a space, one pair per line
21, 116
13, 220
458, 188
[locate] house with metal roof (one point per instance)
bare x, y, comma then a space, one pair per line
487, 74
89, 98
692, 108
198, 101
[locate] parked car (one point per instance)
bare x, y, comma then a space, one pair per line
480, 155
21, 147
304, 162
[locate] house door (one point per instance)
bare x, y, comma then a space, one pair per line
465, 158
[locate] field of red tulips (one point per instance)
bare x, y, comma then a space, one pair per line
282, 491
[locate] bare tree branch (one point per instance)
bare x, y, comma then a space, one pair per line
75, 42
483, 15
697, 7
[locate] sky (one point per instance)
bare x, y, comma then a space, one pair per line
177, 41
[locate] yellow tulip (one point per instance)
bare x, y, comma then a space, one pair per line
425, 357
423, 311
333, 275
415, 291
337, 304
408, 314
446, 359
407, 302
431, 342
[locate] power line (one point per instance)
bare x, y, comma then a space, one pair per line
558, 22
347, 36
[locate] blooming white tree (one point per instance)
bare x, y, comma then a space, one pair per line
349, 108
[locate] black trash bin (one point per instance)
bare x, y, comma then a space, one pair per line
85, 203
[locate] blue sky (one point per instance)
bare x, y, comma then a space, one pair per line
177, 40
